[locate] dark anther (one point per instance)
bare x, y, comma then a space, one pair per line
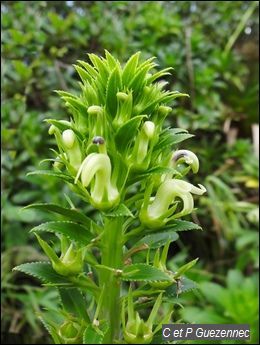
98, 140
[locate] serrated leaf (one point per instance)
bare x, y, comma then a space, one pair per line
62, 176
170, 96
84, 75
170, 137
156, 170
143, 272
91, 70
72, 214
139, 79
77, 105
184, 285
113, 86
92, 336
73, 302
51, 330
159, 74
101, 67
127, 132
65, 93
159, 239
73, 231
43, 271
111, 61
183, 225
130, 68
121, 211
185, 268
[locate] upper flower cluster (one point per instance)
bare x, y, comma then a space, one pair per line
115, 138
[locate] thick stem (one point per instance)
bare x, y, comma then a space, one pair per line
112, 256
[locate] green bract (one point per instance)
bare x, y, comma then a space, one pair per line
115, 154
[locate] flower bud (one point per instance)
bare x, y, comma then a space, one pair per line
94, 110
52, 129
70, 263
122, 96
163, 110
137, 331
149, 129
140, 157
70, 332
72, 148
124, 108
68, 137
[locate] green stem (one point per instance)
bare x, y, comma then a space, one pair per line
112, 256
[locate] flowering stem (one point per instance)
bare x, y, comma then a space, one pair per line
112, 256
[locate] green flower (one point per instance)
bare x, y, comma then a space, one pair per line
95, 170
157, 213
188, 157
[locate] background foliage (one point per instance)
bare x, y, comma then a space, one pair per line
213, 47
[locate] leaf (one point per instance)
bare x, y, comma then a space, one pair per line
71, 230
170, 137
159, 239
113, 86
77, 105
159, 74
155, 170
42, 271
214, 293
143, 272
73, 302
65, 93
62, 176
91, 70
92, 336
207, 315
185, 268
130, 68
101, 67
72, 214
121, 211
234, 279
139, 79
127, 132
84, 75
183, 225
185, 285
60, 125
112, 62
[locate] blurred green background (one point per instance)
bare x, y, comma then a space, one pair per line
213, 47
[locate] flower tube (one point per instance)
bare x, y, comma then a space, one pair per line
140, 156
